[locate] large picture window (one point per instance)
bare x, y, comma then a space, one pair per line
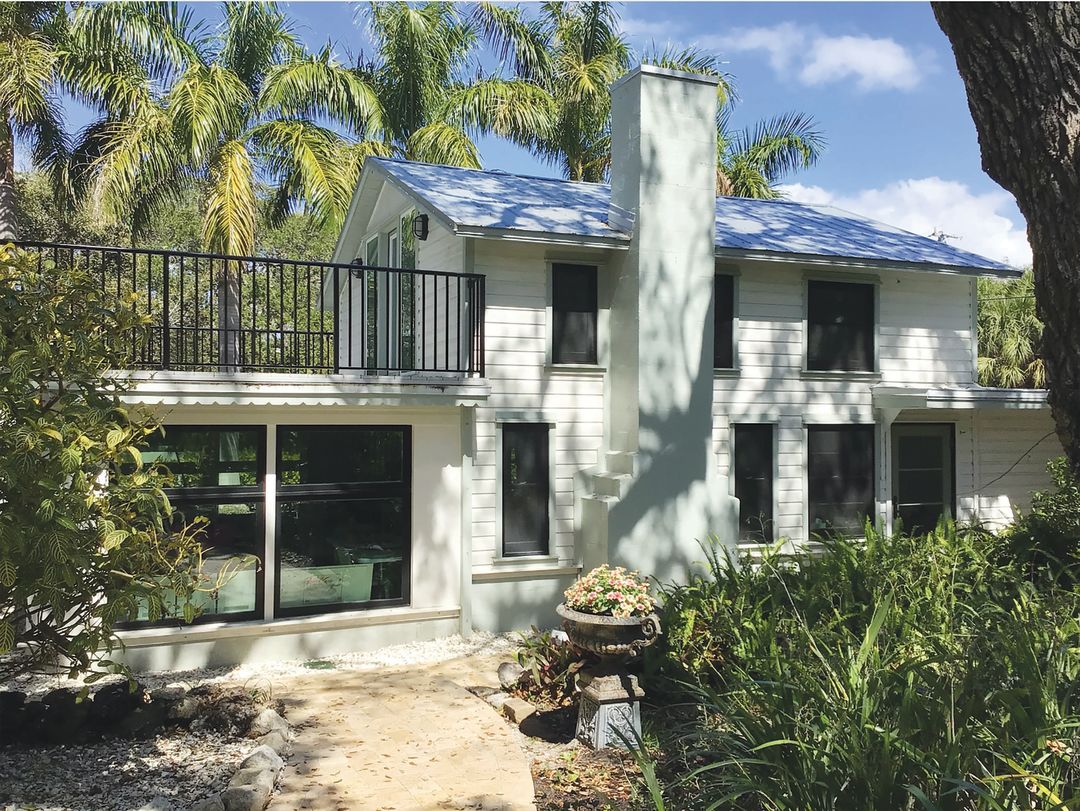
840, 475
343, 530
840, 326
526, 489
217, 474
574, 313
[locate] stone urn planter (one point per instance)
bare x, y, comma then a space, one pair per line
609, 711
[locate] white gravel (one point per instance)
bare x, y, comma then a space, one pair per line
177, 769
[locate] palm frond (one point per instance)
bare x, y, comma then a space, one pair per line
526, 43
756, 159
229, 221
694, 60
440, 142
27, 65
257, 35
510, 108
208, 105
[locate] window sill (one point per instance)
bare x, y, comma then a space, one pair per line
731, 372
839, 374
521, 561
586, 368
502, 569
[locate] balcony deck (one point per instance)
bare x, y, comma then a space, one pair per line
214, 313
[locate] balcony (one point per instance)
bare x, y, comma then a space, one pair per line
214, 313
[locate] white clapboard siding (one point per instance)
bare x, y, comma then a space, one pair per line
1013, 447
515, 336
923, 336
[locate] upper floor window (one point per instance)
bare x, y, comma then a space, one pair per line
839, 326
724, 321
574, 313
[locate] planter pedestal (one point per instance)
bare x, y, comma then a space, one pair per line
609, 711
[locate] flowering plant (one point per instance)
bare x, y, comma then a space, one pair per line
617, 592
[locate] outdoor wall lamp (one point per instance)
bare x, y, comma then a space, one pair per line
420, 226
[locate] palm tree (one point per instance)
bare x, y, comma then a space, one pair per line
576, 50
434, 96
103, 55
1009, 334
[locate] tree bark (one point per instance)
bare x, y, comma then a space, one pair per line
7, 182
1020, 63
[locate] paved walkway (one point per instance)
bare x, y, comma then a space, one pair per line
400, 740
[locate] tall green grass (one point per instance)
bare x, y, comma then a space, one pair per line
893, 673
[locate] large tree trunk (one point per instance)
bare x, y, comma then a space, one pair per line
1021, 66
7, 182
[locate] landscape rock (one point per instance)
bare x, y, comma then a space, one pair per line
510, 674
209, 804
141, 721
263, 757
11, 714
496, 700
65, 713
255, 776
158, 804
112, 702
276, 741
245, 798
267, 721
517, 710
183, 710
169, 694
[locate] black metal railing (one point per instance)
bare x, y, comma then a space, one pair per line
213, 312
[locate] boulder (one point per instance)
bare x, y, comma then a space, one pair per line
263, 757
65, 712
113, 701
517, 710
267, 721
183, 711
276, 741
209, 804
255, 776
510, 674
169, 694
245, 798
141, 721
11, 714
33, 727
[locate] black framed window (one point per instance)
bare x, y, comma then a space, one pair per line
840, 326
344, 518
574, 313
217, 474
526, 489
923, 471
754, 481
724, 321
840, 475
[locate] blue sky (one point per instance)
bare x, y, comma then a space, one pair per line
878, 77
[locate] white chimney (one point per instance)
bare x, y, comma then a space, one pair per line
663, 185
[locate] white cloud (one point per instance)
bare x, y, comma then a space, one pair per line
813, 58
924, 205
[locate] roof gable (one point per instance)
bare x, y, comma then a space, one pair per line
495, 201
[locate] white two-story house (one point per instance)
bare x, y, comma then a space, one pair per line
500, 380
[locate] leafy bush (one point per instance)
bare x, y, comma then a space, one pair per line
615, 592
551, 666
897, 673
1048, 535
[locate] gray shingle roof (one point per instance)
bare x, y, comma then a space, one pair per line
480, 199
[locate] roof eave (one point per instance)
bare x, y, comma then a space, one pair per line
543, 237
856, 263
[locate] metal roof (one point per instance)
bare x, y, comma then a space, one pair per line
499, 201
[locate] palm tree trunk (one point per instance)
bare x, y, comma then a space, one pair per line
228, 310
1019, 66
7, 182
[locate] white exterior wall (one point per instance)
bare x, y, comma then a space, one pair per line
924, 337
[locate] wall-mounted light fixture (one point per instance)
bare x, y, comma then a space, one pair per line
420, 226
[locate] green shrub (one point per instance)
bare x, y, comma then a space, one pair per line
551, 665
1048, 535
897, 673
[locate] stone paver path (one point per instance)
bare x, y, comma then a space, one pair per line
400, 740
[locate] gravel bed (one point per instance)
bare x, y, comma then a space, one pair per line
410, 653
176, 769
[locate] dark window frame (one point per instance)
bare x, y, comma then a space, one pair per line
559, 315
542, 429
725, 341
747, 532
869, 431
950, 427
229, 494
863, 325
351, 491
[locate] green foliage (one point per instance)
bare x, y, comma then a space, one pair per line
897, 673
1048, 535
1010, 334
551, 665
76, 556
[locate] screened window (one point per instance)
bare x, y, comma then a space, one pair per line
526, 489
754, 481
724, 321
343, 532
840, 326
217, 475
574, 316
840, 474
